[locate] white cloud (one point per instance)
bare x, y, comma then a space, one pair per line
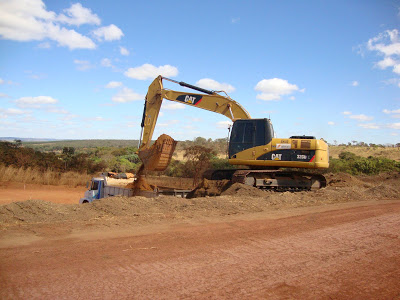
224, 124
387, 44
168, 123
361, 118
79, 15
393, 81
69, 38
167, 105
82, 65
35, 102
55, 110
127, 95
275, 88
106, 62
12, 111
394, 126
24, 20
98, 119
148, 71
123, 51
211, 84
386, 63
355, 83
108, 33
396, 111
2, 81
346, 113
369, 126
29, 21
69, 117
44, 45
2, 95
113, 84
331, 123
235, 20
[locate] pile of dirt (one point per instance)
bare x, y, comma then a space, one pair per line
234, 199
344, 180
238, 189
209, 188
140, 184
384, 191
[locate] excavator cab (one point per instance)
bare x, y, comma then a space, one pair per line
249, 133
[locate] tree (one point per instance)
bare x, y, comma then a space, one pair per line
198, 160
200, 141
18, 143
67, 155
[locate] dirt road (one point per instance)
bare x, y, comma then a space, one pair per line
341, 253
18, 191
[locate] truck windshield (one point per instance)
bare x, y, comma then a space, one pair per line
95, 186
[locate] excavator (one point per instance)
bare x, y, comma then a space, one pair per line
268, 162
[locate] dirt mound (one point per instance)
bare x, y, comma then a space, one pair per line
384, 191
34, 211
343, 180
224, 188
238, 189
234, 199
209, 188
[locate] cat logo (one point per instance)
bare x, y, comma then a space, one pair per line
276, 156
190, 99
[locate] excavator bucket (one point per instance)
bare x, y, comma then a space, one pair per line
158, 156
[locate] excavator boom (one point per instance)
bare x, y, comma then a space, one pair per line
211, 101
158, 156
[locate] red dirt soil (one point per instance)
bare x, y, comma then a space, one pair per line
348, 253
341, 242
17, 191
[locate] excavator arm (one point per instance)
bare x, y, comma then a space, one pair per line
210, 100
158, 156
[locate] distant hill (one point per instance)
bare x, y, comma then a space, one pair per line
11, 139
51, 145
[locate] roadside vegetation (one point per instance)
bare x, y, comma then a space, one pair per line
351, 163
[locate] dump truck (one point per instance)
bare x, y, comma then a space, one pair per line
105, 186
109, 185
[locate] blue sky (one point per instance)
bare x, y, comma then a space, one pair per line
80, 70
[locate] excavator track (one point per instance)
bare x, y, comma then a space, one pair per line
271, 179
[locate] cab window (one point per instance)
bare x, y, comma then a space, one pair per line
95, 186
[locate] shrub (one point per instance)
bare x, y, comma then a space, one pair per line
351, 163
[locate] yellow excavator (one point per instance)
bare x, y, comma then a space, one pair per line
252, 143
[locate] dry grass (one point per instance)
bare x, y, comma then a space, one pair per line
387, 152
46, 178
